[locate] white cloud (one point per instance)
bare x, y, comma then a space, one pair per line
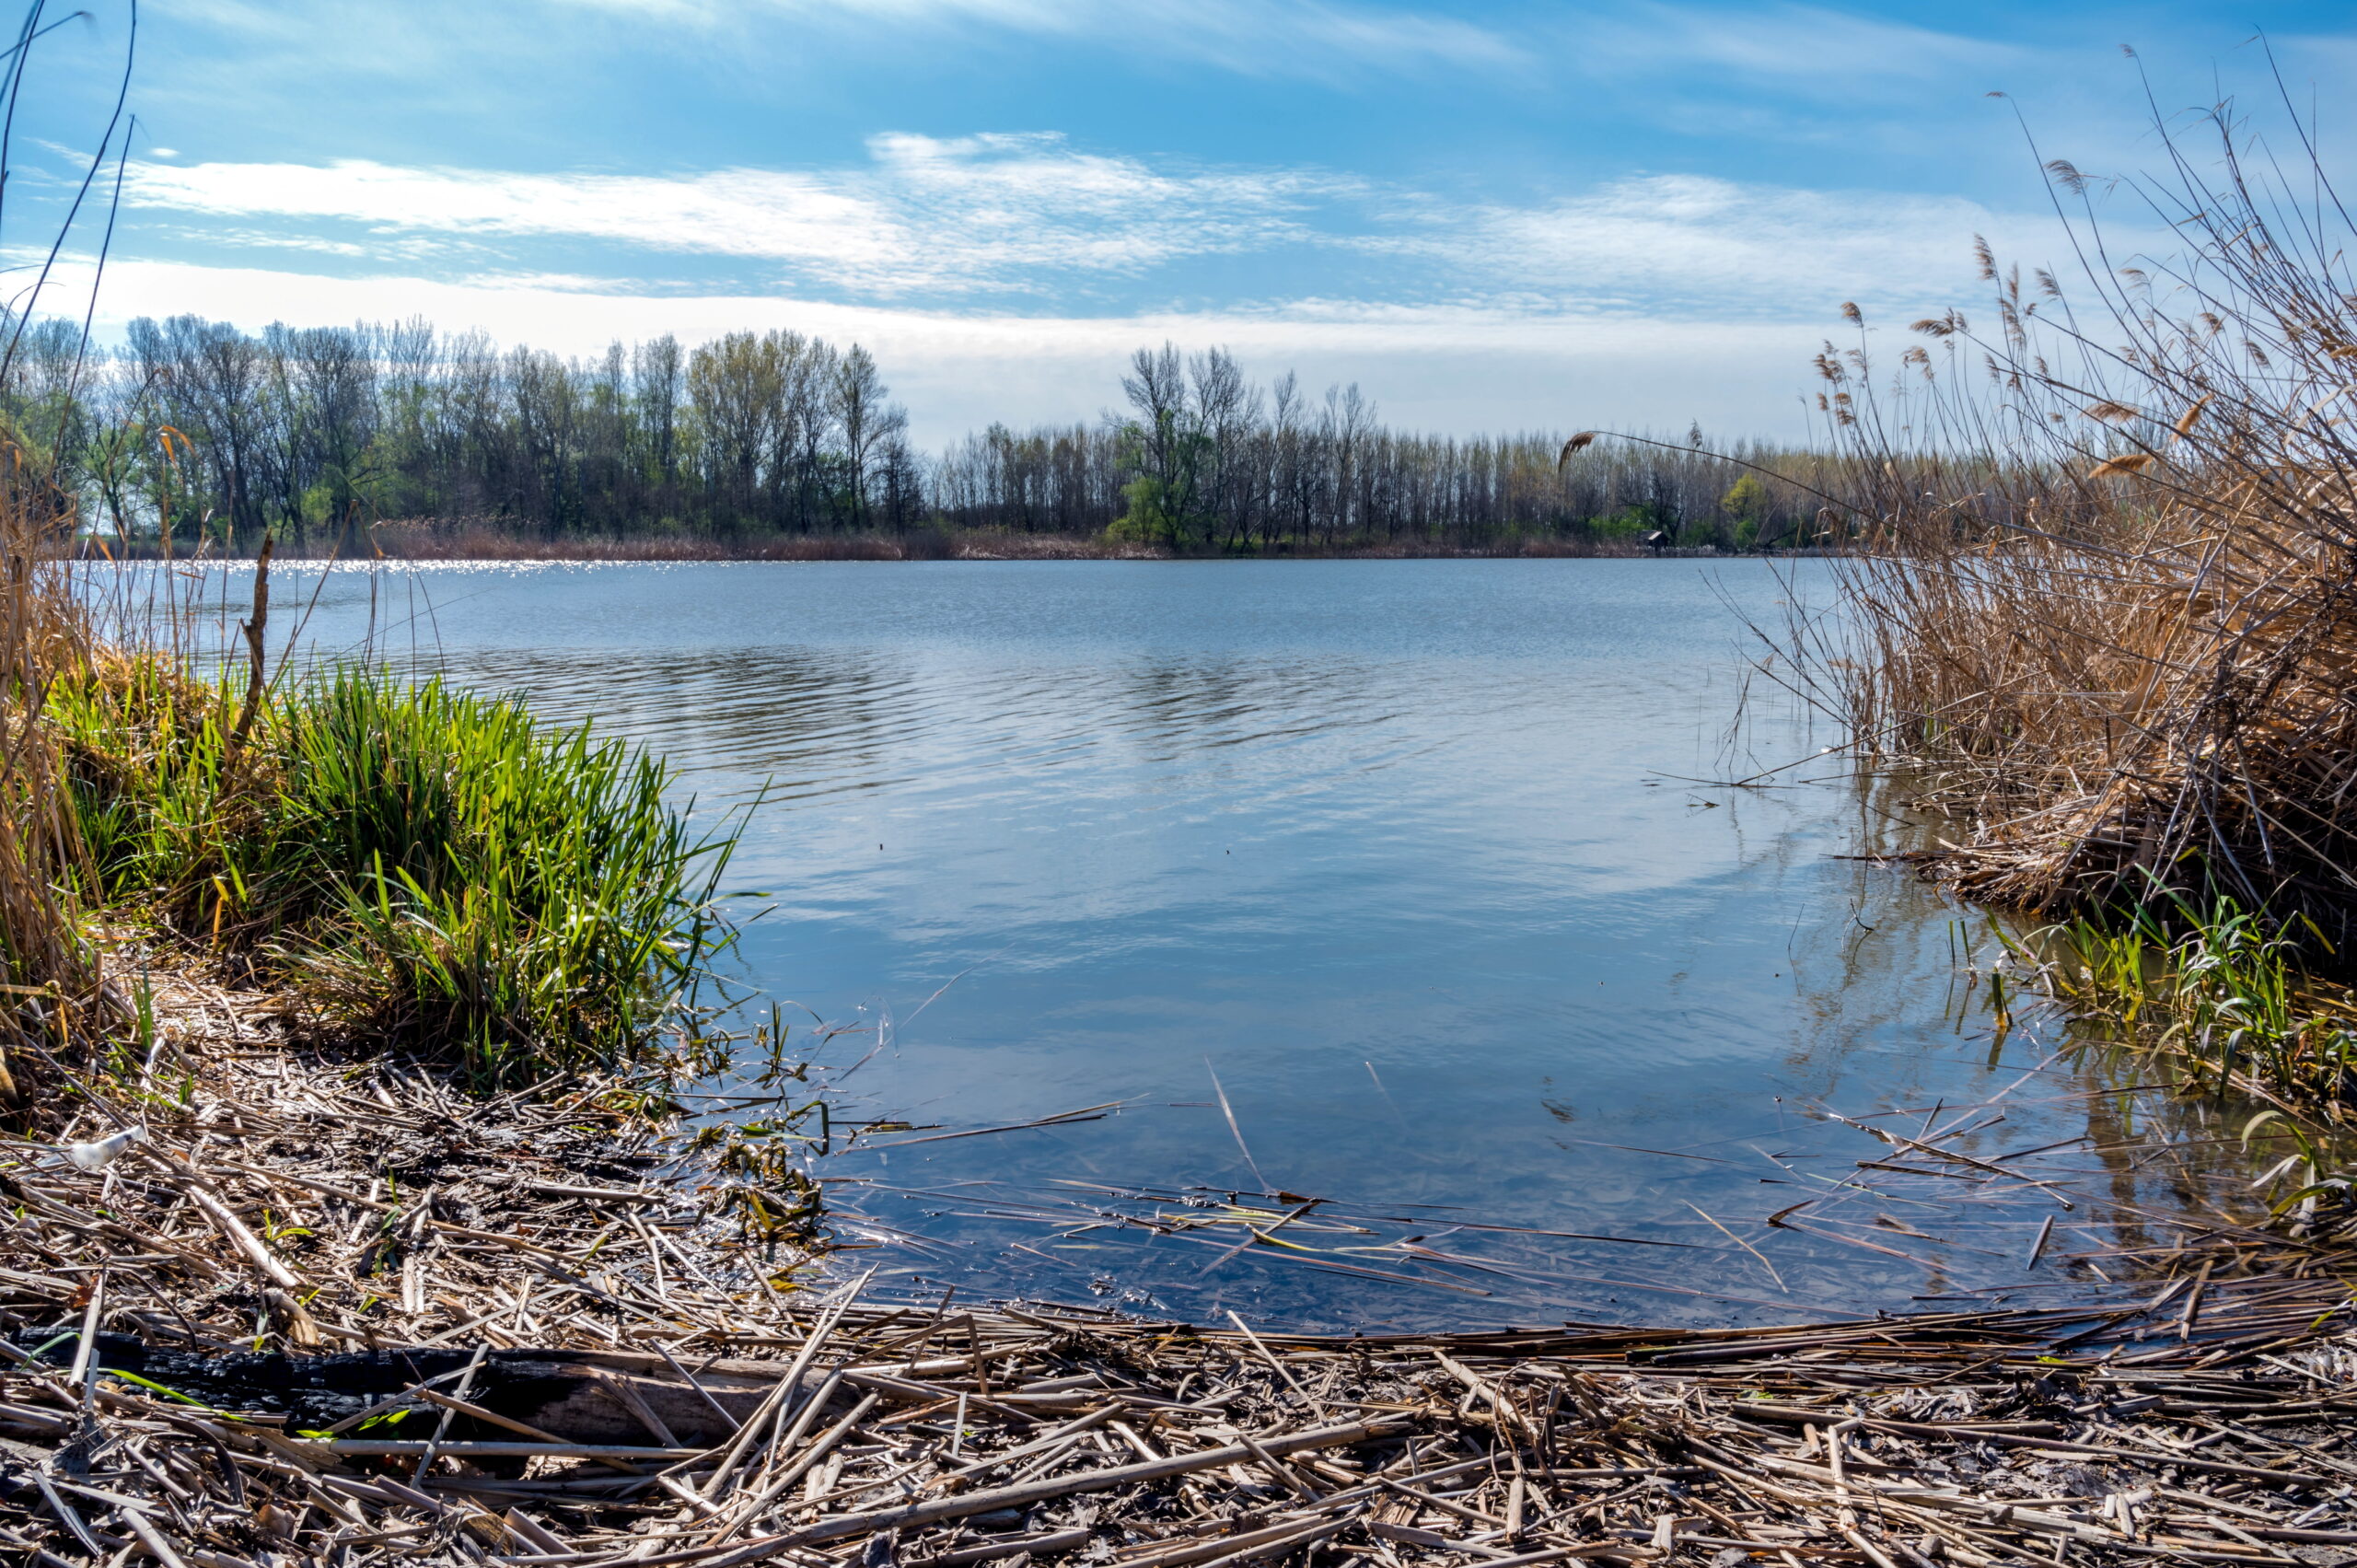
1001, 214
735, 211
975, 212
1644, 302
1683, 239
1833, 52
1816, 50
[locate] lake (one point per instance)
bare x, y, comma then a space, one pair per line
1406, 886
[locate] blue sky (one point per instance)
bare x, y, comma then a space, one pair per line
1515, 215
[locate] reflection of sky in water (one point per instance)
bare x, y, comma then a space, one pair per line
1400, 850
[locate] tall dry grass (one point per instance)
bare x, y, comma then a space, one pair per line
2107, 612
58, 1000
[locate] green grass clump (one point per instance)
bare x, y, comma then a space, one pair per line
2219, 990
443, 870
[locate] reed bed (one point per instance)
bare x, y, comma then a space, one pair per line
324, 1307
2106, 624
58, 994
2127, 648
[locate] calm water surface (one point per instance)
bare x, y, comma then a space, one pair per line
1405, 859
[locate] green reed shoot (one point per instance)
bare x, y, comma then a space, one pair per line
2217, 988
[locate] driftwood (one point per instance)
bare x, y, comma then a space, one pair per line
574, 1395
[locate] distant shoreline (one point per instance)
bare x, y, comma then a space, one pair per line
389, 543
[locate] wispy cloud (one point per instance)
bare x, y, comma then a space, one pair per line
1321, 38
1828, 53
1688, 242
1007, 217
974, 214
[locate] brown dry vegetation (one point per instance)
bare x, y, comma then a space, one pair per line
2110, 616
330, 1311
58, 992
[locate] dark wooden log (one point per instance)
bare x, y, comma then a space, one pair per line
578, 1396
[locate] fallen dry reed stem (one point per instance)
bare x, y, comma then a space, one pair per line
522, 1330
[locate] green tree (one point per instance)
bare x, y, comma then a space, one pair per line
1746, 504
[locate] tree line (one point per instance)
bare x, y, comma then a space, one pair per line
198, 431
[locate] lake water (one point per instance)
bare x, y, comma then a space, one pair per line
1414, 866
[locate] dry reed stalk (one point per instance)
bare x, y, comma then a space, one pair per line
2109, 610
57, 999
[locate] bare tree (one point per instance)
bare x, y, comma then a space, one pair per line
868, 422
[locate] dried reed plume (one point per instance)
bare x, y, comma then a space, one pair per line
2109, 612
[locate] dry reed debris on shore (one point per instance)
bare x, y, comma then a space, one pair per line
329, 1310
914, 1435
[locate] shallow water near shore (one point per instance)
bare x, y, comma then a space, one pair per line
1401, 886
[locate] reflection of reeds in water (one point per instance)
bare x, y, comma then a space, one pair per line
2229, 1002
1949, 1203
2225, 1016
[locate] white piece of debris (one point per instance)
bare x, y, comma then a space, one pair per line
106, 1151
